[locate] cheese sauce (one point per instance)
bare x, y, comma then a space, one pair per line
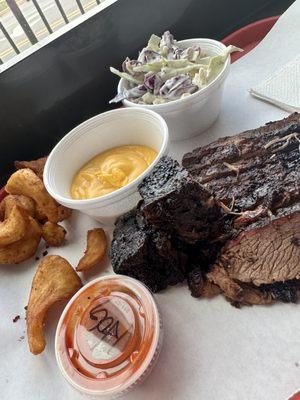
111, 170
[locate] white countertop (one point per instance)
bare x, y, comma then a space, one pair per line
211, 350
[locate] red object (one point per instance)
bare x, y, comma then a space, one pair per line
3, 193
295, 397
249, 36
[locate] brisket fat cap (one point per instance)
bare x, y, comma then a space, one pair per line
257, 168
262, 263
175, 202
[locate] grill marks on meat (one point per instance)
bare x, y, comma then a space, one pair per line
257, 167
258, 173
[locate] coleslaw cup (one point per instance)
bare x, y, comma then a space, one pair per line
194, 114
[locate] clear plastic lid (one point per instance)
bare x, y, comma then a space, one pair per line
109, 335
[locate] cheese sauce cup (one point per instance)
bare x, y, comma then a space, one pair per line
120, 127
108, 337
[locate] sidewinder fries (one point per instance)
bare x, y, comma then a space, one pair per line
95, 250
26, 182
53, 234
13, 228
11, 200
54, 280
24, 248
37, 166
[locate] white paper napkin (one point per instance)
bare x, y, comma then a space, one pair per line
282, 88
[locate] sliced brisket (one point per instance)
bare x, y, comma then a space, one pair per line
255, 177
170, 232
245, 145
266, 256
256, 168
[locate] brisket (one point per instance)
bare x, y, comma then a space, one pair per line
255, 178
264, 257
175, 202
169, 233
139, 251
200, 286
256, 168
227, 221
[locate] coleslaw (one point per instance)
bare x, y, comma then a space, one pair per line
165, 72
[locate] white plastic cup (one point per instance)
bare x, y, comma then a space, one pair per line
193, 114
130, 126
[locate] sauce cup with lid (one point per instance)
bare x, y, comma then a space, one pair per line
127, 126
109, 336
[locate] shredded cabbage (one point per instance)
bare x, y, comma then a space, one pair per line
165, 72
125, 75
200, 79
154, 66
154, 42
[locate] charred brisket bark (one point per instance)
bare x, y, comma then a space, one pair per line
175, 202
139, 251
285, 292
170, 232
